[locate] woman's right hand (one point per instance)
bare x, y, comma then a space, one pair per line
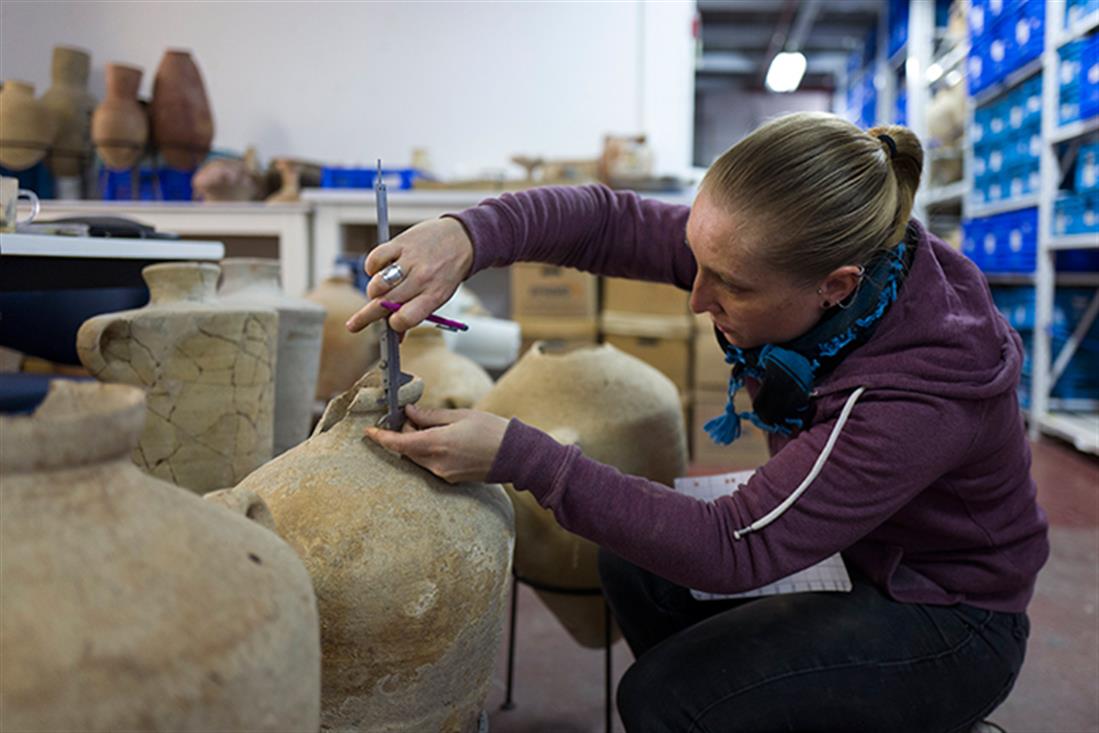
435, 257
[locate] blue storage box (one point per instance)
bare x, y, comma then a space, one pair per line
1024, 32
396, 178
1068, 81
1003, 243
898, 25
1089, 78
1077, 9
1078, 260
1087, 168
163, 184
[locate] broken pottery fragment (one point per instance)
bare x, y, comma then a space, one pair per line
619, 411
255, 281
411, 573
208, 369
450, 380
131, 604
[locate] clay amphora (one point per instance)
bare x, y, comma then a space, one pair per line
450, 380
208, 368
344, 356
183, 126
411, 573
72, 107
131, 604
619, 411
27, 126
255, 281
120, 125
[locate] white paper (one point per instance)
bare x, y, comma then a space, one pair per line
828, 575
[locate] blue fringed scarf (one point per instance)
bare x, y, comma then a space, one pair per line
787, 373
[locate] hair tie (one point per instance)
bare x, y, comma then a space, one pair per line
891, 143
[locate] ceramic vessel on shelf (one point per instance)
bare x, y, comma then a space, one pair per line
183, 126
411, 573
255, 281
450, 380
120, 125
131, 604
208, 368
290, 176
619, 411
72, 107
344, 355
27, 126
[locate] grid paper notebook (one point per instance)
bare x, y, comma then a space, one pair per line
827, 575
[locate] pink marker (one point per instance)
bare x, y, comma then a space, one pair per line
439, 321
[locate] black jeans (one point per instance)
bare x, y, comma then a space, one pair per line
855, 661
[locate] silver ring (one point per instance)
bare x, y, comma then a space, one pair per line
392, 274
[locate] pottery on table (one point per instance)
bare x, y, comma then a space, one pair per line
72, 107
183, 126
209, 371
256, 281
450, 380
344, 355
617, 410
27, 126
411, 573
120, 124
131, 604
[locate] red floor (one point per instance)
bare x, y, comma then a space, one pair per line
559, 685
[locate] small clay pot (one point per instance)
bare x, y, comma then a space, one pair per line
120, 125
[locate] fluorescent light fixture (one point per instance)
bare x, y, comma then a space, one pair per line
934, 72
953, 77
785, 72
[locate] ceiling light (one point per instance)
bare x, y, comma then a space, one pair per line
785, 72
934, 72
953, 77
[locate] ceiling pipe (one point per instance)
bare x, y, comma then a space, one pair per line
778, 39
807, 15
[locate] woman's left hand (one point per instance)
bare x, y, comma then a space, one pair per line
455, 445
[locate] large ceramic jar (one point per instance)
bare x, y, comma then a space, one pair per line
450, 380
255, 281
120, 125
183, 127
619, 411
72, 107
26, 126
411, 573
344, 355
130, 604
208, 368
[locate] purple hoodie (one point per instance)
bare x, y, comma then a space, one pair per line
927, 491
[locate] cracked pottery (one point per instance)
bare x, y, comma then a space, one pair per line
411, 573
131, 604
208, 369
344, 355
617, 410
255, 281
450, 380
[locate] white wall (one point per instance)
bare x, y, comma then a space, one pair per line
474, 82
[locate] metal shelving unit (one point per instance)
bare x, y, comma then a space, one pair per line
1080, 428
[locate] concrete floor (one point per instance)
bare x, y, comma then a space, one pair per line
559, 685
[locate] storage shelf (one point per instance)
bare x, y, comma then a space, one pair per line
1064, 279
1081, 429
1074, 241
896, 61
1012, 80
951, 193
952, 58
1074, 130
1001, 207
1079, 29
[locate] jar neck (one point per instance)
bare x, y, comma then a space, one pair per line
181, 282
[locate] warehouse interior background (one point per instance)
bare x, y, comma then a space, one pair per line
465, 100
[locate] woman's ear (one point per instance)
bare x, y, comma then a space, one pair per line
839, 285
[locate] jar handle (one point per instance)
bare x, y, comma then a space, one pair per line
97, 345
246, 503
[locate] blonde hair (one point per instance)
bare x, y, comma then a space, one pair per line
818, 192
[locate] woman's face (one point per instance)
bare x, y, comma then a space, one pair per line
749, 302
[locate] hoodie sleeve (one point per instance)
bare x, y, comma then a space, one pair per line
891, 448
591, 228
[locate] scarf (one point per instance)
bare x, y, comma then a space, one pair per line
788, 372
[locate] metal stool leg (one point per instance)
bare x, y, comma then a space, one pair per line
609, 691
508, 702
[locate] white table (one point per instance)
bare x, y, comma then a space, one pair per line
288, 222
335, 207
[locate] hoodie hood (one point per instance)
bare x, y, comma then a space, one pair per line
942, 336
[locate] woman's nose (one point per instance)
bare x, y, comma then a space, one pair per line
700, 296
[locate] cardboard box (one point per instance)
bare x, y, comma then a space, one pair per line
747, 451
710, 369
548, 290
663, 342
562, 333
637, 296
